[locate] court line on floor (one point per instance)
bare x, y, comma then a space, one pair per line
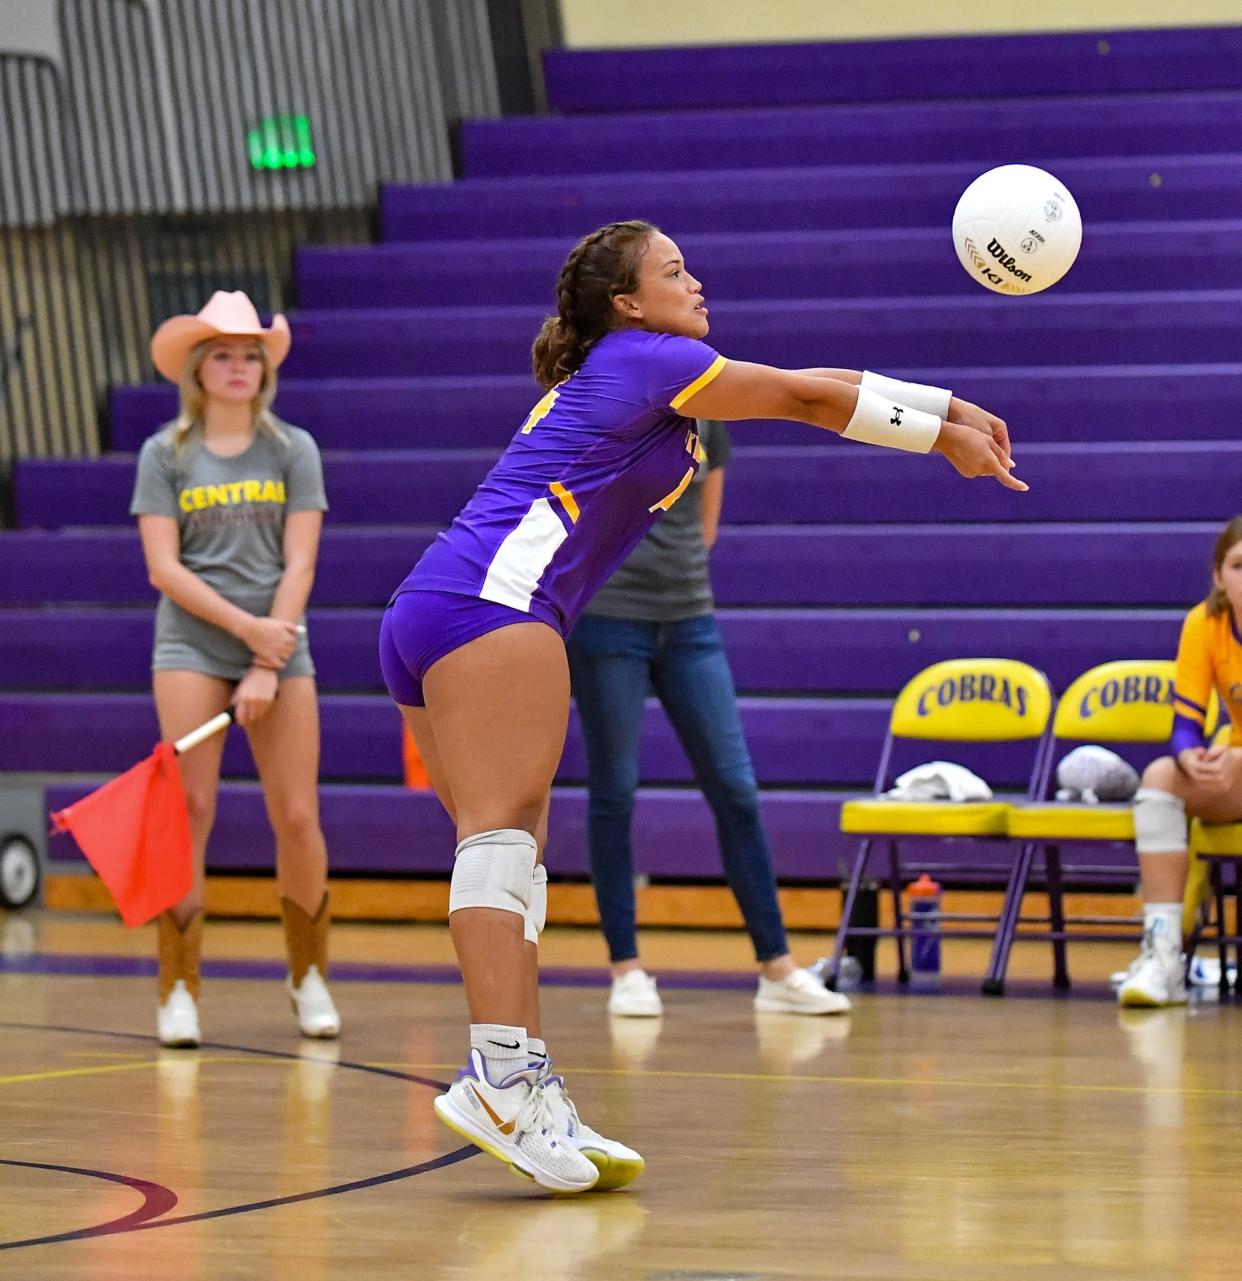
111, 1228
104, 1068
106, 965
156, 1199
56, 1073
947, 1082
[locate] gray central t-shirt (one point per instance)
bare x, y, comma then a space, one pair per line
666, 577
231, 516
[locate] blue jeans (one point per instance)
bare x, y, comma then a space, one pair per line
613, 662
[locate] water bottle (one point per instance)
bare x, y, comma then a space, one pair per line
923, 901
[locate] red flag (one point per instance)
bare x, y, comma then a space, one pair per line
135, 832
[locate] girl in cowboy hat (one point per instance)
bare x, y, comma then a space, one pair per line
230, 504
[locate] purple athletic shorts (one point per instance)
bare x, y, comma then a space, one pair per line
420, 627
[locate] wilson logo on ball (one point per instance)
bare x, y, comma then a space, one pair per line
1006, 260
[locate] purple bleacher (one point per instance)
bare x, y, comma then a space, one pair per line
98, 647
364, 413
362, 739
1049, 329
832, 483
794, 742
916, 564
799, 198
390, 831
581, 80
987, 132
846, 651
739, 265
1049, 403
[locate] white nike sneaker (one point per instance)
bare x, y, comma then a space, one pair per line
634, 996
513, 1122
312, 1003
177, 1019
1158, 979
798, 993
617, 1164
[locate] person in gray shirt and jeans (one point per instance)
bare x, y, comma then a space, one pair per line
652, 626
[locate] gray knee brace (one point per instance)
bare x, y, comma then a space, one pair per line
537, 909
494, 869
1159, 822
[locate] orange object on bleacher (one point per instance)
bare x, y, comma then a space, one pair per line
416, 776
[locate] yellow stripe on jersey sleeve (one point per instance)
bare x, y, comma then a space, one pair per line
567, 500
699, 383
1192, 686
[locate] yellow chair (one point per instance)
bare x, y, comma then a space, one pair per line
1216, 838
1214, 848
1125, 702
965, 703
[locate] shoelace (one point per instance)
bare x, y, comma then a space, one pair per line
558, 1082
534, 1115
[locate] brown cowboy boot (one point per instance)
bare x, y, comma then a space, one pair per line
306, 939
179, 953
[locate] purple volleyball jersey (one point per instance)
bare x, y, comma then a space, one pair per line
588, 473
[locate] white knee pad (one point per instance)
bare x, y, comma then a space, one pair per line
1159, 822
493, 869
537, 908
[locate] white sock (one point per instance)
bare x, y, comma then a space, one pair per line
537, 1052
1162, 924
504, 1049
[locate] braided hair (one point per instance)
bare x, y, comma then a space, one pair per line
599, 267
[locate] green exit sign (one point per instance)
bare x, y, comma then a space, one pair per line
281, 142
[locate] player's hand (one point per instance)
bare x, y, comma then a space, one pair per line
974, 453
270, 640
962, 411
254, 695
1204, 766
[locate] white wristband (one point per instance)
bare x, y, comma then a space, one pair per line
931, 400
878, 421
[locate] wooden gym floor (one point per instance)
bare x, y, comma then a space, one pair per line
936, 1136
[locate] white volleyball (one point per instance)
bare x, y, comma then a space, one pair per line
1016, 229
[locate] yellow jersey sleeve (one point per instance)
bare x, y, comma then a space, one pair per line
1192, 686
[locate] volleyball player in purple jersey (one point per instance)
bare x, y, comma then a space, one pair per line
472, 644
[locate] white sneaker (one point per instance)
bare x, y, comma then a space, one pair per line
634, 996
617, 1164
312, 1003
177, 1019
512, 1122
1158, 979
1118, 977
798, 993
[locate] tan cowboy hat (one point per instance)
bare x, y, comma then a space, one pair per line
227, 315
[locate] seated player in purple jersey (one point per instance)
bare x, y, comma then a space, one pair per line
473, 642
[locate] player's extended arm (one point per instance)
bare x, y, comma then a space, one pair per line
933, 400
742, 390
